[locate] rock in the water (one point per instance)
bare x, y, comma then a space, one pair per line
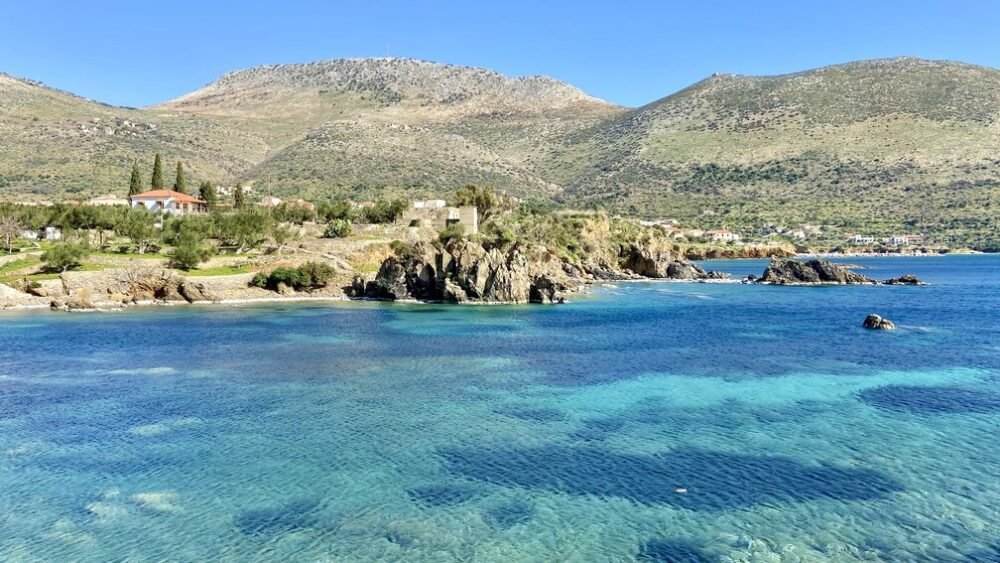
876, 322
657, 261
906, 279
781, 271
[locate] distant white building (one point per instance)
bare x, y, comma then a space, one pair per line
52, 233
430, 204
862, 239
722, 235
28, 234
897, 240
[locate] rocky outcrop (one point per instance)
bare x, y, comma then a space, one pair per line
906, 279
659, 262
464, 272
794, 272
876, 322
192, 292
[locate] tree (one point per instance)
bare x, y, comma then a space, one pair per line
207, 192
384, 211
179, 185
238, 197
139, 226
489, 202
340, 209
282, 235
135, 182
10, 229
246, 229
157, 182
189, 250
65, 256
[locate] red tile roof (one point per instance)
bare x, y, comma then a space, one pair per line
169, 194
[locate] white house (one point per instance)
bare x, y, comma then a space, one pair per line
168, 201
897, 240
52, 233
722, 235
863, 239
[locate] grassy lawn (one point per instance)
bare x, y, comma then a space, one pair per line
218, 271
146, 256
39, 276
19, 264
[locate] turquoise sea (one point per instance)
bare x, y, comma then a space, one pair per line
644, 421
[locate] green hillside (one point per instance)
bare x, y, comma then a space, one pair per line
899, 143
892, 140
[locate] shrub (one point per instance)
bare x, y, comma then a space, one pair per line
291, 277
401, 249
338, 228
315, 274
65, 256
311, 275
451, 232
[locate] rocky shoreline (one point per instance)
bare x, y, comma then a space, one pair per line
460, 272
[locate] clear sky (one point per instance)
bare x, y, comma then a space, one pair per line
138, 53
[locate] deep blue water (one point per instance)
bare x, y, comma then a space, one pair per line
643, 421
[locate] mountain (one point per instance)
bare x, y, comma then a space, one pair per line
53, 143
891, 142
396, 122
898, 139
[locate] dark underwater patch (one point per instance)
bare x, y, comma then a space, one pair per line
442, 495
988, 554
597, 429
672, 551
509, 514
712, 480
535, 414
931, 400
296, 515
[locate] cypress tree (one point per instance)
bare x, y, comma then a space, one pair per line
179, 182
207, 193
157, 183
238, 201
135, 183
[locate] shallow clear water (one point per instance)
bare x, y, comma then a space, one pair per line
650, 421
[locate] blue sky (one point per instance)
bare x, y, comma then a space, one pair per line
139, 53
